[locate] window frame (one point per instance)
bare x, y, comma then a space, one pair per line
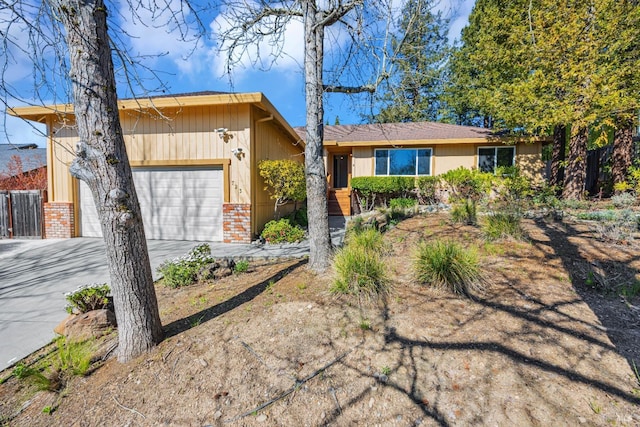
416, 157
495, 155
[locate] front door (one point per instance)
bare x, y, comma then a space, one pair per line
339, 195
340, 170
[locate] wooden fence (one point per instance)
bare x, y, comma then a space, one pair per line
21, 213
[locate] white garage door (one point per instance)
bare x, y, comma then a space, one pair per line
176, 204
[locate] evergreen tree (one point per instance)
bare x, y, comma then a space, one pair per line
413, 92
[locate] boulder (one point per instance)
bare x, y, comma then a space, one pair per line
92, 324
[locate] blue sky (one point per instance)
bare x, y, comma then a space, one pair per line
185, 69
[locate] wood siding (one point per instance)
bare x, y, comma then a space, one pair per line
270, 143
169, 138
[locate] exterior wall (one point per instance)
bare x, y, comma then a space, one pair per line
179, 135
59, 220
270, 143
448, 157
236, 219
529, 160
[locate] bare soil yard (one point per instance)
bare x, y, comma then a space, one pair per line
540, 347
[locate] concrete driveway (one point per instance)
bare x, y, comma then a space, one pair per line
35, 274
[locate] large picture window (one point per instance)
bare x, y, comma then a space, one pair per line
403, 161
489, 158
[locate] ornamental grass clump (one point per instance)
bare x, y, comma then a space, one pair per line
500, 225
447, 264
183, 271
359, 269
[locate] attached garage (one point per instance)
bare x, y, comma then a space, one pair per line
177, 203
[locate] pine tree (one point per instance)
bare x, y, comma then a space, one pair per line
414, 91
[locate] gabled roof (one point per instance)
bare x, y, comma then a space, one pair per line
407, 134
32, 157
194, 99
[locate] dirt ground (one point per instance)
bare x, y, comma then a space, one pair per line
540, 347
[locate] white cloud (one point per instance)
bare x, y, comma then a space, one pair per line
281, 53
18, 131
152, 31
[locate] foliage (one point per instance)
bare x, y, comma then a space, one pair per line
359, 268
284, 180
465, 211
467, 184
402, 203
183, 271
32, 375
413, 91
299, 217
373, 190
87, 298
282, 231
72, 357
503, 224
14, 176
241, 266
448, 265
427, 189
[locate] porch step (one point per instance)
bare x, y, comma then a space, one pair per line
339, 202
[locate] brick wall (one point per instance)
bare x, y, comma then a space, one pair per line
236, 220
58, 220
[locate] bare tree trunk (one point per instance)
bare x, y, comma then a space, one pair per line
558, 155
622, 150
576, 171
103, 164
319, 239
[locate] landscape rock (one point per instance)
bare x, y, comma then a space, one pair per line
79, 327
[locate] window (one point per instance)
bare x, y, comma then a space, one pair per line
491, 157
403, 161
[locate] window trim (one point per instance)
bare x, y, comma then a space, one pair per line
495, 155
416, 149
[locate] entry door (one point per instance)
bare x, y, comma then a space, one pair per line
340, 170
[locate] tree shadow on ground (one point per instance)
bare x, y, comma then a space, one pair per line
614, 322
207, 314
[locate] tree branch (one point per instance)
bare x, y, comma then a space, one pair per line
349, 89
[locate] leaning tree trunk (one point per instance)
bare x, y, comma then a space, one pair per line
576, 171
622, 151
558, 155
103, 164
319, 239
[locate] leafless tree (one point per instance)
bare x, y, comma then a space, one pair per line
361, 28
66, 47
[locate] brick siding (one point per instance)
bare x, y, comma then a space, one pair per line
236, 220
58, 220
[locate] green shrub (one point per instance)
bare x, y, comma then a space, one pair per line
87, 298
372, 191
241, 266
359, 268
500, 225
299, 217
449, 265
402, 203
284, 180
468, 184
427, 188
183, 271
282, 231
